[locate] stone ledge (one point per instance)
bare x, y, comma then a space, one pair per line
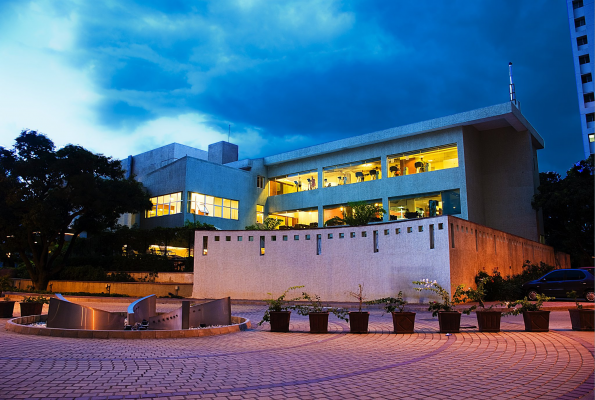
19, 325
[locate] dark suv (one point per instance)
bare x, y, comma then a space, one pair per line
557, 283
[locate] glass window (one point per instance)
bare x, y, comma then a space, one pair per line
259, 214
430, 205
260, 182
574, 275
426, 160
555, 276
210, 206
344, 209
307, 218
345, 174
293, 183
165, 205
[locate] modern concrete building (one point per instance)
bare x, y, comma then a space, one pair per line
479, 166
581, 14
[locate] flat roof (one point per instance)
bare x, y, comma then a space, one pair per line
482, 119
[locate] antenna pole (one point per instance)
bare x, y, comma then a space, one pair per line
228, 133
512, 90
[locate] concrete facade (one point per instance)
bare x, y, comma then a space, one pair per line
495, 177
384, 257
581, 21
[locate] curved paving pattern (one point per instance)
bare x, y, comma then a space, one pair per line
260, 364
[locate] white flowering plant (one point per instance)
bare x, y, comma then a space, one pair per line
459, 296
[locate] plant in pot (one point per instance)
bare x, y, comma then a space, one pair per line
580, 318
317, 313
6, 306
33, 305
358, 320
403, 322
278, 313
488, 320
536, 320
449, 319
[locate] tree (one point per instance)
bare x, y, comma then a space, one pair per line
269, 224
567, 205
358, 214
47, 195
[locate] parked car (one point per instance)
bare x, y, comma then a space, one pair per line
557, 283
590, 269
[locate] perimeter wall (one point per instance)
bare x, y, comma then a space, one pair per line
345, 256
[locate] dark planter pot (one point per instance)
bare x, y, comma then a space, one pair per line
449, 321
318, 322
280, 321
31, 309
358, 321
404, 322
582, 320
489, 321
537, 321
6, 308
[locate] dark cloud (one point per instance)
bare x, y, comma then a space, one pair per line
328, 70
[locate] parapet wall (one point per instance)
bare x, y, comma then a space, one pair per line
347, 256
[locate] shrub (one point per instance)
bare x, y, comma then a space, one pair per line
498, 288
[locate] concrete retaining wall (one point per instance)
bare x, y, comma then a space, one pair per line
235, 267
164, 277
132, 289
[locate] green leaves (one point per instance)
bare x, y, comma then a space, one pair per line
358, 214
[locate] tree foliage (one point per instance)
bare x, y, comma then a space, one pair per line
567, 205
48, 194
358, 214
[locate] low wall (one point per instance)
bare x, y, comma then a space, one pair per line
163, 277
132, 289
347, 256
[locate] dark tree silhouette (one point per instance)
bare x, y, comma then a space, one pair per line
47, 195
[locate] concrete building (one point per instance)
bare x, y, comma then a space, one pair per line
479, 166
581, 14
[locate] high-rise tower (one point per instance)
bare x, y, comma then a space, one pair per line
582, 33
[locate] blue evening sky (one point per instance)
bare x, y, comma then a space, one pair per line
122, 77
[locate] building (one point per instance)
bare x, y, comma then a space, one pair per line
582, 28
479, 165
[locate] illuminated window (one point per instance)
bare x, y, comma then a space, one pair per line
425, 160
591, 138
259, 214
345, 174
211, 206
168, 204
293, 183
342, 210
307, 218
430, 205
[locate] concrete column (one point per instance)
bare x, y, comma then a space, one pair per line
386, 217
320, 216
383, 166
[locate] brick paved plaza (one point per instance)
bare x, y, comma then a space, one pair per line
257, 364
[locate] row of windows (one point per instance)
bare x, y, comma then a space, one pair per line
199, 204
414, 162
330, 236
167, 204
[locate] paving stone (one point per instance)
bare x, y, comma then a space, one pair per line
258, 364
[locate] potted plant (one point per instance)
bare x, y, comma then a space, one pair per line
358, 320
580, 318
33, 305
488, 320
6, 308
536, 320
317, 313
449, 319
278, 313
403, 322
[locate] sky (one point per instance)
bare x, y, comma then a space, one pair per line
123, 77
